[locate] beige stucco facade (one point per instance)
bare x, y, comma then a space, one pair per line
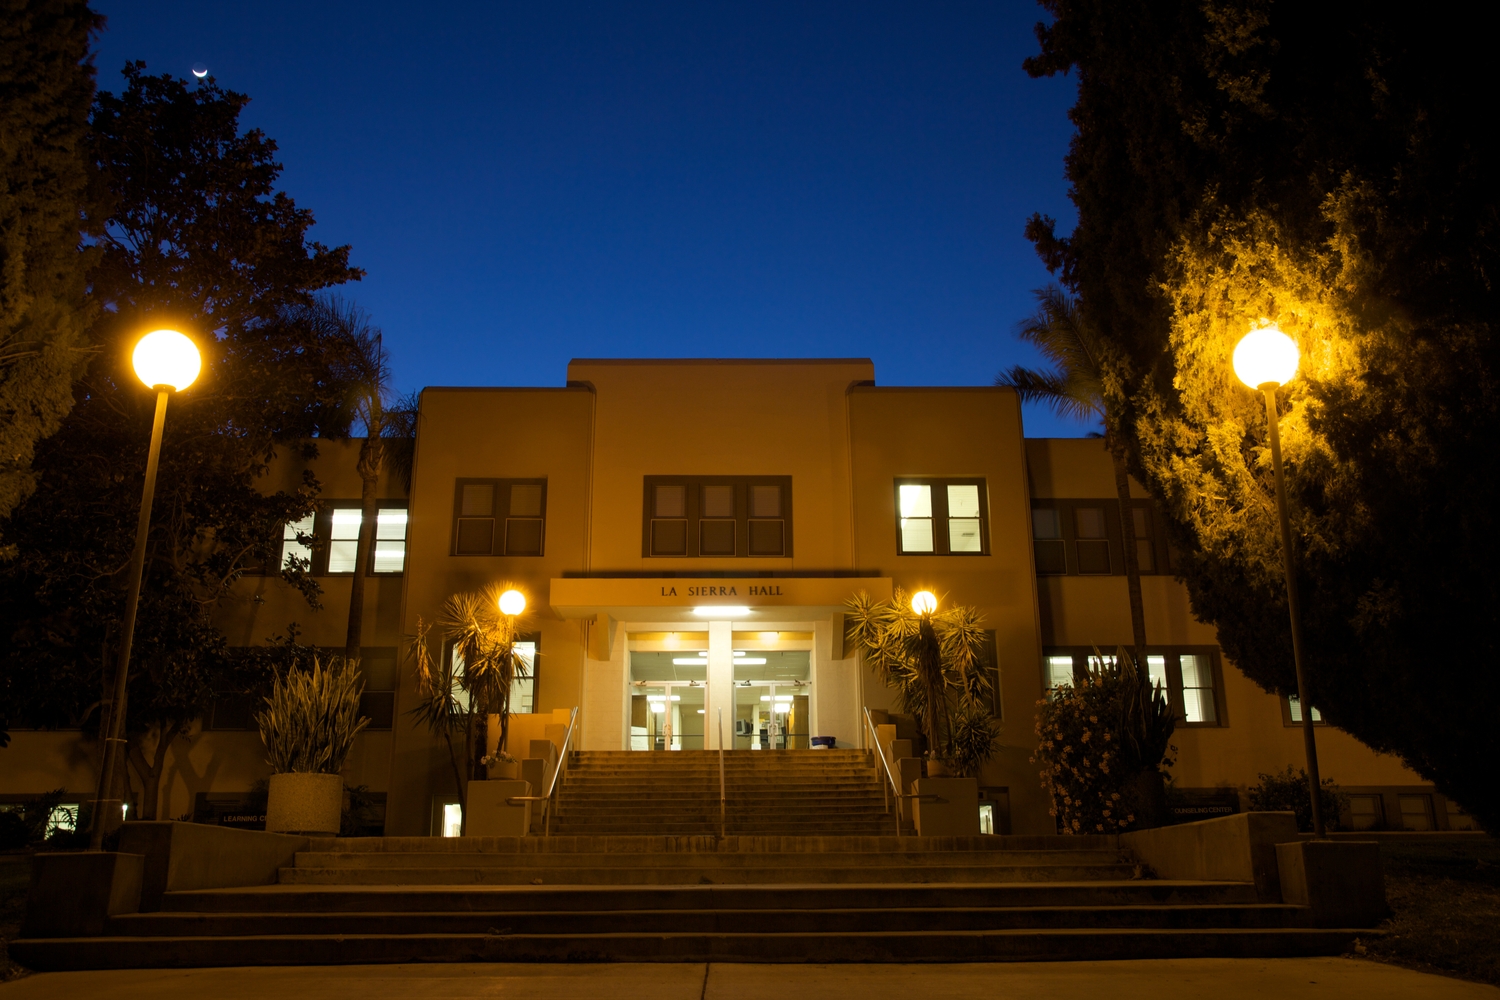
835, 445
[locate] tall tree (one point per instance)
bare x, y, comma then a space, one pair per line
46, 87
1321, 167
197, 235
1074, 388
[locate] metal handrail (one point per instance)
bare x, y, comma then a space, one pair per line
895, 786
723, 808
562, 763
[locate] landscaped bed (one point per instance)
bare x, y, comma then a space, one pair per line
15, 878
1445, 896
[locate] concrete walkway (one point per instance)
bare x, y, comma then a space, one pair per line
1179, 979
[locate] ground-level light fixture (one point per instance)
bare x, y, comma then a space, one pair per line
1265, 359
167, 361
722, 611
512, 603
924, 602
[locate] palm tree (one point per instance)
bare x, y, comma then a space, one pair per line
1074, 388
364, 367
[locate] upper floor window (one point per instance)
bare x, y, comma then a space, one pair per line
327, 543
717, 516
499, 517
941, 517
1083, 537
1291, 712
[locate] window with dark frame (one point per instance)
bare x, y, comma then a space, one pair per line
327, 543
1190, 675
1291, 712
1082, 537
499, 517
717, 516
942, 517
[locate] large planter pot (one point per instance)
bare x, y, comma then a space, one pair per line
309, 804
505, 770
938, 769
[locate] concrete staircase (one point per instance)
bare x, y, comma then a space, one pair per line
791, 793
763, 899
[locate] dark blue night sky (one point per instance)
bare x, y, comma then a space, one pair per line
525, 183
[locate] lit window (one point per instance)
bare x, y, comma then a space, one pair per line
1197, 689
390, 540
293, 552
916, 518
1059, 671
453, 819
963, 519
1294, 708
343, 540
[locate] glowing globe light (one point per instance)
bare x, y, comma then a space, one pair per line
512, 603
166, 357
1265, 357
200, 70
923, 602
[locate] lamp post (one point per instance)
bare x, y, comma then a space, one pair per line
1265, 359
166, 361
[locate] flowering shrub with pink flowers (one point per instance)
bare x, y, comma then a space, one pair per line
1095, 740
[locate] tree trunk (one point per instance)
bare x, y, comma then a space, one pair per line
931, 663
1132, 565
369, 474
150, 771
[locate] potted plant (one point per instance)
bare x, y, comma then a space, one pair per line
502, 766
308, 727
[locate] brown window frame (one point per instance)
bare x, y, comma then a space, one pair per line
499, 533
940, 539
1156, 543
694, 520
1172, 655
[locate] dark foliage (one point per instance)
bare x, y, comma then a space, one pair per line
198, 236
1327, 168
1286, 791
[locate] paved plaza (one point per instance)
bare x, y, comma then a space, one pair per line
1181, 979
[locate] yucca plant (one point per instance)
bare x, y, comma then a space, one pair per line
936, 664
312, 717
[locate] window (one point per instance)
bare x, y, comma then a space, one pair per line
1082, 538
1416, 812
716, 516
1458, 819
1366, 812
327, 543
1292, 712
941, 517
499, 517
1188, 675
522, 689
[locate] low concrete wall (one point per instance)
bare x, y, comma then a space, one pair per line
198, 856
946, 807
1240, 848
73, 894
1340, 880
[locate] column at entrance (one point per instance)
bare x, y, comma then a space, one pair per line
720, 694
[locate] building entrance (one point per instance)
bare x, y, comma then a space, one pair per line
686, 689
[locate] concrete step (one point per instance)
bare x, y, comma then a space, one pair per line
748, 874
727, 859
706, 921
883, 843
783, 897
857, 946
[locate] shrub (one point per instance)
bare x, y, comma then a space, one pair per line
312, 717
1286, 791
1096, 739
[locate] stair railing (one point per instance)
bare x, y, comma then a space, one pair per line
562, 763
723, 799
891, 786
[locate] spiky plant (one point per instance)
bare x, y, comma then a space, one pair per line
437, 707
312, 717
936, 664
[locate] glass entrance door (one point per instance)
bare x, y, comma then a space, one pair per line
771, 699
667, 700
